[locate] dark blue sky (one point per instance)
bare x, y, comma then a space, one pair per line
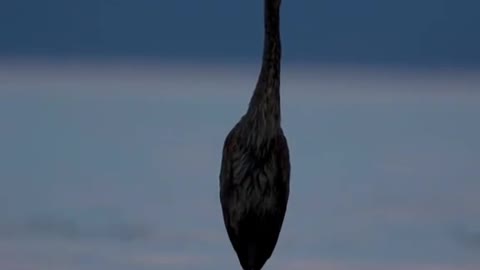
408, 32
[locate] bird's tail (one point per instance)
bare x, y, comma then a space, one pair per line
252, 257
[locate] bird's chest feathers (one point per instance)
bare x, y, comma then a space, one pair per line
261, 124
255, 181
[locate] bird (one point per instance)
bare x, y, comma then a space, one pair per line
255, 167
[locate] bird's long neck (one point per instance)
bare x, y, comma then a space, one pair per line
265, 102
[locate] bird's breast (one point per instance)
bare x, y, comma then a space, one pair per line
257, 191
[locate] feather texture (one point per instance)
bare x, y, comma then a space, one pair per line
255, 169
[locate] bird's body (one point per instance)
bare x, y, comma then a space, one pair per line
255, 171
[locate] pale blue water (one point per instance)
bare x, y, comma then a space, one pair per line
114, 168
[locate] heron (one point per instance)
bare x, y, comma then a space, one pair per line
255, 167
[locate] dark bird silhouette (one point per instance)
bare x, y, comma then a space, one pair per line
255, 171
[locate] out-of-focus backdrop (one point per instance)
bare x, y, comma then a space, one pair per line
113, 115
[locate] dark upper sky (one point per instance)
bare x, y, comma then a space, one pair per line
408, 32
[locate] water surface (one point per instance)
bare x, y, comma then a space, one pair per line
116, 167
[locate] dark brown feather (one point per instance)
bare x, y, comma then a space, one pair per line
255, 170
254, 195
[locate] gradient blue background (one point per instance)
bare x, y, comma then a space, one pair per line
410, 32
113, 115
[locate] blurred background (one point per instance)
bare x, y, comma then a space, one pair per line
113, 115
